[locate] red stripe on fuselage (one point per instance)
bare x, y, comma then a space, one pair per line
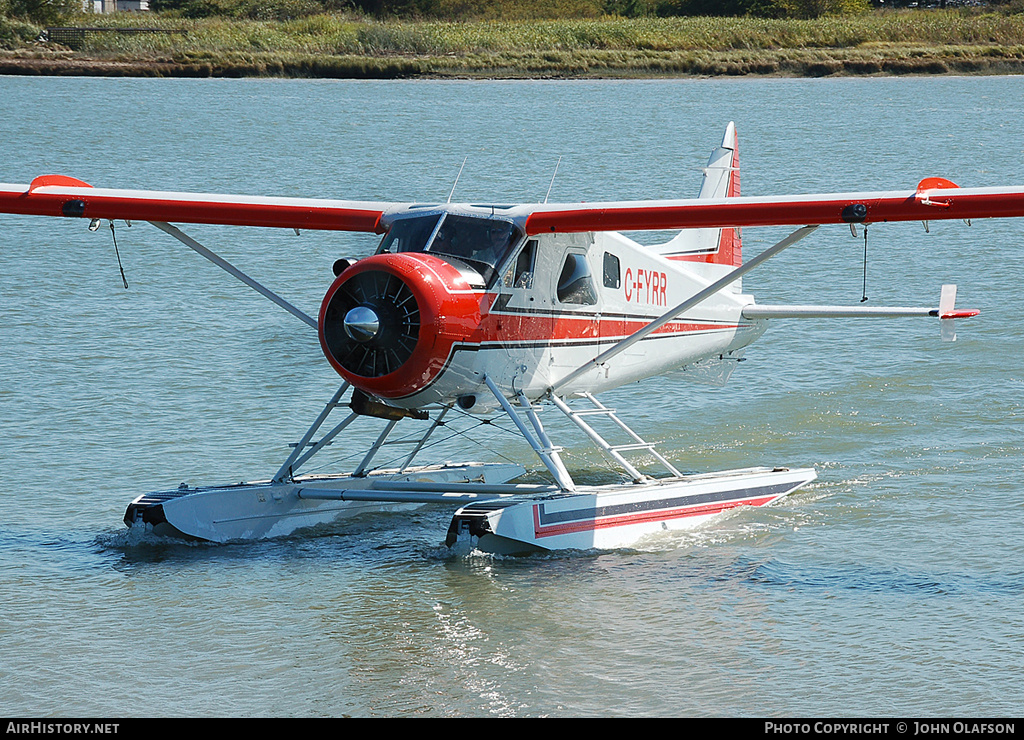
537, 326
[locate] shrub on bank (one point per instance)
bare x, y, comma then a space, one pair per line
15, 33
42, 12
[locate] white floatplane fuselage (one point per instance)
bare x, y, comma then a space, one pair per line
550, 305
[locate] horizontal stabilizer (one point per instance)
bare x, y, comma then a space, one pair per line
757, 311
946, 312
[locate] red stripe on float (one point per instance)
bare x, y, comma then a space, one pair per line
642, 518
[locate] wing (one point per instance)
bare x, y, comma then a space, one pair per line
934, 199
57, 195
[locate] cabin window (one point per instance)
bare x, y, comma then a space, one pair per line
520, 274
575, 284
611, 271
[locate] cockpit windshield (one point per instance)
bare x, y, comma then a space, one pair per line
481, 243
409, 234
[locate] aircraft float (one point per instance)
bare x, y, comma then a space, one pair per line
515, 309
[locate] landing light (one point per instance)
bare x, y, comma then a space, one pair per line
855, 213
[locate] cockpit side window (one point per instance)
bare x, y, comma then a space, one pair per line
520, 273
575, 283
409, 234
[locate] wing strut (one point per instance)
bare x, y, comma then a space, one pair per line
685, 306
231, 269
292, 463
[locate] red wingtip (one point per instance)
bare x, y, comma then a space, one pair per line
935, 183
62, 180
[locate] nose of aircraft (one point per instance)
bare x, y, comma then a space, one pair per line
389, 323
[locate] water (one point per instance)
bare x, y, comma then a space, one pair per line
891, 586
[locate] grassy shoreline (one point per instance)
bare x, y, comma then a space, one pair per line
890, 43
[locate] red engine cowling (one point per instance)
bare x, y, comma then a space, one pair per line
388, 322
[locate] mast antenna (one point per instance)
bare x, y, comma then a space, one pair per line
457, 180
548, 195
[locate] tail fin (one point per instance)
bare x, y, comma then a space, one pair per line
721, 180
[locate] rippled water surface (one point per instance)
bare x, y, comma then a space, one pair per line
890, 586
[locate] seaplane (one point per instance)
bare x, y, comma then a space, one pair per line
512, 310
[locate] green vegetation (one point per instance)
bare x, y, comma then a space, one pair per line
463, 10
297, 38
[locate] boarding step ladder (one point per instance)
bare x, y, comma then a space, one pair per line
614, 451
